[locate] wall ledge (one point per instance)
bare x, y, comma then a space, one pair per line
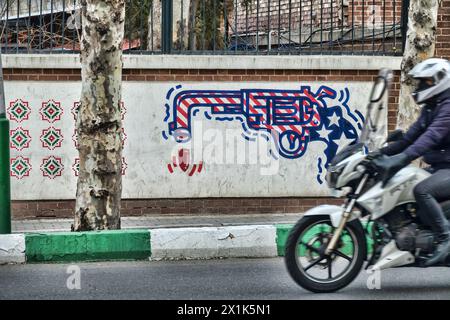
313, 62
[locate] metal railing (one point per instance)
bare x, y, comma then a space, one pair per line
255, 27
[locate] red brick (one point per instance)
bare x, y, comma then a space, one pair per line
222, 78
207, 72
50, 205
59, 71
349, 72
130, 212
279, 78
165, 78
170, 210
68, 204
18, 77
134, 71
179, 71
133, 204
236, 72
17, 206
135, 78
74, 78
265, 72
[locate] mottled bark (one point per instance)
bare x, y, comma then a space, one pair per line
192, 39
99, 120
420, 45
154, 26
180, 23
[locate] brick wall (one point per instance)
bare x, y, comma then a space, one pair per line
443, 31
324, 13
64, 209
374, 12
130, 207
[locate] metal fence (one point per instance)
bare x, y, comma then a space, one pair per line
362, 27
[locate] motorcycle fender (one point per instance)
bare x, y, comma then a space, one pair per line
334, 212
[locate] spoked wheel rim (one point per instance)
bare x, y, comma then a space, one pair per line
310, 255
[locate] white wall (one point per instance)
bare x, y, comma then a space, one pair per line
147, 154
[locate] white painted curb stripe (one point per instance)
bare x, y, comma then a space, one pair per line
12, 248
251, 241
214, 242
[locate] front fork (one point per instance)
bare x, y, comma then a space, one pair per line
345, 217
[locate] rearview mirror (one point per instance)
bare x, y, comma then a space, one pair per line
378, 90
381, 84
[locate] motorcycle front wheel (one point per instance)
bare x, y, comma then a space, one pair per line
307, 262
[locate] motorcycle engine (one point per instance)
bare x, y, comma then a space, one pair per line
425, 240
410, 239
408, 236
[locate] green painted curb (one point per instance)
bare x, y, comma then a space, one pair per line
88, 246
282, 235
283, 231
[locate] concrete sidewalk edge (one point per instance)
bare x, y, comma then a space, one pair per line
250, 241
12, 248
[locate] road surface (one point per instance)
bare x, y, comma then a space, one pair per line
245, 279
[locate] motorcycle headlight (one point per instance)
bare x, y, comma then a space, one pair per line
333, 174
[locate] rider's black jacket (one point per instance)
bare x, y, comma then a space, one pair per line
429, 136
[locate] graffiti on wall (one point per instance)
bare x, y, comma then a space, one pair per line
291, 119
225, 139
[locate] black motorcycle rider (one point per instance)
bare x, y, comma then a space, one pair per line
428, 137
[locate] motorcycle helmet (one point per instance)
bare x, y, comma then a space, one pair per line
432, 77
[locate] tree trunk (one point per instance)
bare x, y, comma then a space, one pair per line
180, 24
99, 120
420, 45
192, 39
154, 26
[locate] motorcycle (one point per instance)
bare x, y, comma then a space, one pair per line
378, 223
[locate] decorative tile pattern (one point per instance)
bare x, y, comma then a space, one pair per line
123, 137
20, 167
19, 138
51, 111
76, 167
52, 167
18, 110
51, 138
74, 110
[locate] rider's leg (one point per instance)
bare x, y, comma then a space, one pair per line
428, 193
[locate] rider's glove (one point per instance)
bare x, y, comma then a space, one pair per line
389, 166
374, 155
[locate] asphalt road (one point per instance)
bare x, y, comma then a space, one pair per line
245, 279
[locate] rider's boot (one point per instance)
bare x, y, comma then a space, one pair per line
442, 246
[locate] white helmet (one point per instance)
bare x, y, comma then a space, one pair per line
433, 78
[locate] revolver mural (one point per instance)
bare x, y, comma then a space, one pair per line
292, 119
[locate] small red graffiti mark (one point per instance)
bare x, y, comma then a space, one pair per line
182, 161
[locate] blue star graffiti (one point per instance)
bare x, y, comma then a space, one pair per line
291, 119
